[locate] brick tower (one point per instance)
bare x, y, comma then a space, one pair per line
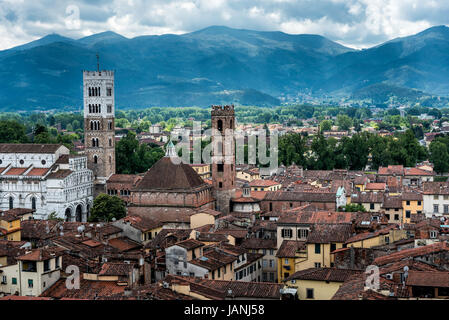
99, 133
223, 168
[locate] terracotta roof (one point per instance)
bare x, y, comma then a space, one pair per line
165, 175
300, 196
263, 183
289, 248
329, 233
391, 169
411, 253
376, 186
89, 289
411, 196
189, 244
38, 172
323, 274
392, 202
298, 216
221, 289
115, 269
367, 197
436, 188
142, 223
124, 178
124, 244
15, 171
29, 148
369, 235
428, 279
418, 172
41, 254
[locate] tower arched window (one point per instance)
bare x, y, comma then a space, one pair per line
220, 125
110, 142
91, 125
11, 202
95, 159
90, 92
93, 142
33, 203
99, 108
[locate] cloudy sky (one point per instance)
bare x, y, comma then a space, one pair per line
355, 23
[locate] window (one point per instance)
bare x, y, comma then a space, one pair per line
419, 203
317, 264
407, 214
286, 233
446, 208
33, 203
4, 280
43, 162
371, 206
30, 283
303, 233
271, 206
333, 247
220, 167
220, 185
396, 217
11, 202
14, 280
387, 239
286, 261
435, 197
220, 125
317, 248
46, 265
95, 159
408, 202
109, 108
433, 234
109, 92
309, 293
435, 208
286, 275
388, 216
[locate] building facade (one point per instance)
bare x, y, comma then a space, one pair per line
45, 178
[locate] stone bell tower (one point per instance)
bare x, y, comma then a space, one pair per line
223, 157
99, 132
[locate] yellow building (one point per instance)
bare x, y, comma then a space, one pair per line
203, 170
288, 253
322, 240
318, 283
248, 175
264, 185
10, 227
412, 204
378, 238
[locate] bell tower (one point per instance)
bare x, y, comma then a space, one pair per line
99, 126
223, 156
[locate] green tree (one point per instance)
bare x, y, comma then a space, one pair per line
106, 208
325, 125
353, 207
12, 131
344, 122
439, 156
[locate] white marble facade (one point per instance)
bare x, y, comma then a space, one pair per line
45, 178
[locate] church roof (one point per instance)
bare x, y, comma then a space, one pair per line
29, 148
165, 175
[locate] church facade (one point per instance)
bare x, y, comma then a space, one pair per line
47, 179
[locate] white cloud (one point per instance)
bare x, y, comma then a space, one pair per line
357, 23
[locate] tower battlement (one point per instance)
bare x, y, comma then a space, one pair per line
227, 110
98, 74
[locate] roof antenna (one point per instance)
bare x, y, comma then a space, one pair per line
98, 62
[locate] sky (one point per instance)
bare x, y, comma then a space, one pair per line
354, 23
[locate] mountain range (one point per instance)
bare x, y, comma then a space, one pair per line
220, 65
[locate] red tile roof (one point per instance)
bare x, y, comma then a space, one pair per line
411, 253
428, 279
